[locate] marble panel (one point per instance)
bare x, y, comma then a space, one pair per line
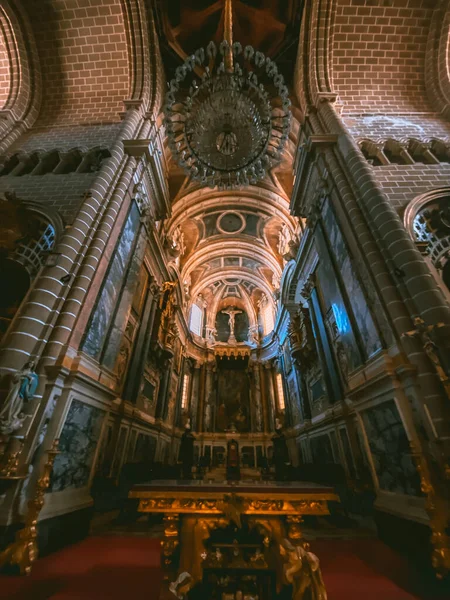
77, 444
335, 308
390, 450
361, 311
106, 303
321, 450
116, 332
119, 454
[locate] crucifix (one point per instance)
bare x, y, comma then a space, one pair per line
231, 312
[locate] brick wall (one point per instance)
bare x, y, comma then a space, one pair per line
403, 183
379, 55
84, 59
4, 72
63, 193
65, 138
377, 126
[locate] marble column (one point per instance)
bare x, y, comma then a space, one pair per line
270, 396
141, 348
161, 406
209, 412
257, 417
264, 396
195, 391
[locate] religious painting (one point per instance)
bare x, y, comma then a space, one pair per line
361, 311
390, 449
77, 444
233, 396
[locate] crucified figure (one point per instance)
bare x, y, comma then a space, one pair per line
231, 322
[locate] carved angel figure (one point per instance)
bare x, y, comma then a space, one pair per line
22, 389
302, 570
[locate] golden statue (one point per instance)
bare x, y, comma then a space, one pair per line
302, 569
24, 550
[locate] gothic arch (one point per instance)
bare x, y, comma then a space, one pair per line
20, 98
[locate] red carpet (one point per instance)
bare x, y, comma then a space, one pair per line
127, 568
107, 567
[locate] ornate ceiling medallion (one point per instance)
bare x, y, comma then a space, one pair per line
227, 114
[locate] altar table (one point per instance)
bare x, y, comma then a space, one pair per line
200, 505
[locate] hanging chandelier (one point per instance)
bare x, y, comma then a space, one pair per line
227, 115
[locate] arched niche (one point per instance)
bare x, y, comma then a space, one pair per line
239, 317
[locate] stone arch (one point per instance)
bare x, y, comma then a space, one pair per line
20, 76
437, 72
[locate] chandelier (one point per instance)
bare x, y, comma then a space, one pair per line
227, 114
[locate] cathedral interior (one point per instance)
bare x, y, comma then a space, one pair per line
225, 252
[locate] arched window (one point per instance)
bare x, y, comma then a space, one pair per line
196, 320
280, 392
184, 393
427, 219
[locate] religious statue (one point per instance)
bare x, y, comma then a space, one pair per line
232, 312
186, 454
211, 335
280, 452
233, 470
302, 570
181, 586
22, 389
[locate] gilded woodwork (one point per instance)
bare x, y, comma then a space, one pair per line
216, 503
24, 550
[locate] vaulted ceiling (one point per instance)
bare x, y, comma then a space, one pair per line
231, 253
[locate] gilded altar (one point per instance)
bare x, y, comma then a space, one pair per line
194, 509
